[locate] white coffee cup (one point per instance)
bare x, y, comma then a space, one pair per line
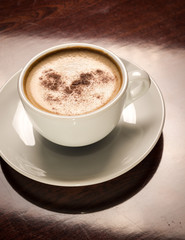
85, 129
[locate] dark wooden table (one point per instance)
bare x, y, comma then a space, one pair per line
148, 202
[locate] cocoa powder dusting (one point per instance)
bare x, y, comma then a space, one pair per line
51, 80
78, 91
76, 85
68, 90
103, 76
99, 71
51, 98
85, 76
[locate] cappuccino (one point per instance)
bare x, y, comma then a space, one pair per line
72, 81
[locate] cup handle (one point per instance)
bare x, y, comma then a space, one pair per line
138, 84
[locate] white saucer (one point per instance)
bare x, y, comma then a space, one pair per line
30, 154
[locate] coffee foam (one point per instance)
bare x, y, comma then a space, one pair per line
73, 82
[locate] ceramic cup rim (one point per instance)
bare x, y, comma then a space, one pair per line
68, 45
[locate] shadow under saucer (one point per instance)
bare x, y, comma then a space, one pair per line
86, 199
